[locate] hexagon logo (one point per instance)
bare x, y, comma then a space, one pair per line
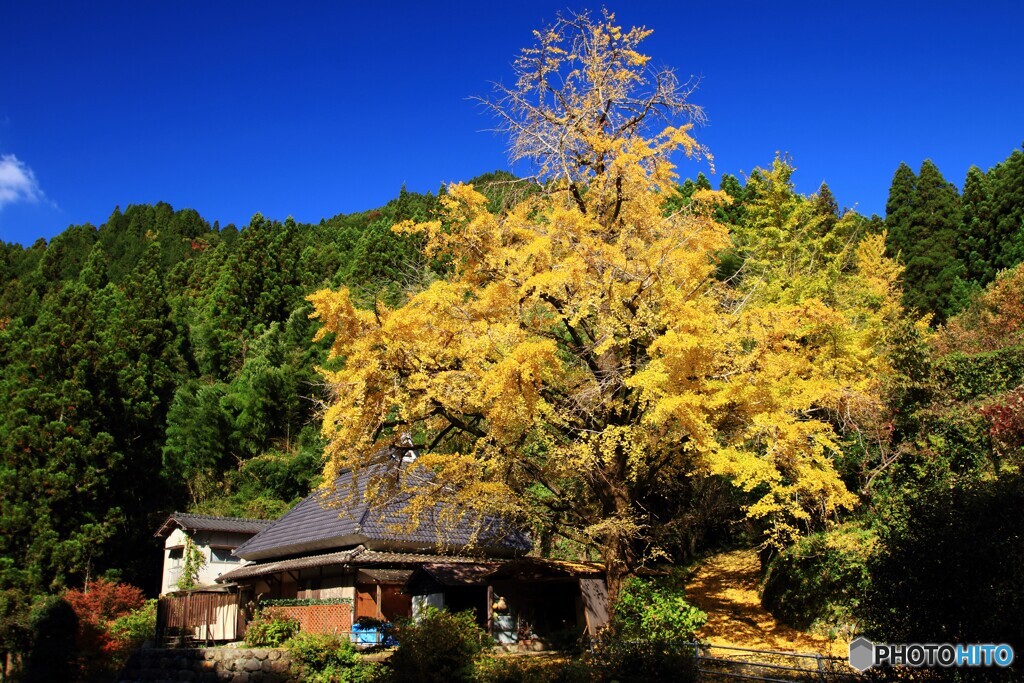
862, 654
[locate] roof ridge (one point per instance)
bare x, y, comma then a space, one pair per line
205, 516
340, 514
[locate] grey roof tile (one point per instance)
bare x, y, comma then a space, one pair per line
534, 568
340, 517
460, 574
186, 520
377, 557
354, 557
265, 568
386, 575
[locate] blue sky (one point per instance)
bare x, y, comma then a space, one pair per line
311, 109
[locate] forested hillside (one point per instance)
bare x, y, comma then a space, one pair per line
954, 244
158, 362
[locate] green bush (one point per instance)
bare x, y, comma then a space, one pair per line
503, 669
15, 631
817, 583
650, 661
53, 655
613, 662
328, 659
270, 628
981, 374
439, 647
949, 567
135, 628
303, 602
656, 610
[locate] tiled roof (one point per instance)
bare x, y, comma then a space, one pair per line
430, 576
340, 517
188, 521
383, 575
355, 557
457, 574
265, 568
376, 557
539, 567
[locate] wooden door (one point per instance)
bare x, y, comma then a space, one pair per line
394, 604
366, 600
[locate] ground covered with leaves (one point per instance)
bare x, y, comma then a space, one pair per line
726, 587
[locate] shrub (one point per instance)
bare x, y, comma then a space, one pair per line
131, 630
52, 656
328, 659
103, 601
819, 580
100, 652
656, 610
270, 628
499, 669
15, 631
650, 661
949, 567
440, 646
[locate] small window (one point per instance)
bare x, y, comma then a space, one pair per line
175, 556
224, 555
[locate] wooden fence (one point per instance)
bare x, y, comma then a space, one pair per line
722, 663
199, 617
333, 619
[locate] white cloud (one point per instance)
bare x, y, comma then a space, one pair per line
17, 182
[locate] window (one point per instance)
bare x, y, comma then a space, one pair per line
224, 555
175, 555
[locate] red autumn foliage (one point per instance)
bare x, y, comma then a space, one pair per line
104, 602
994, 321
1006, 417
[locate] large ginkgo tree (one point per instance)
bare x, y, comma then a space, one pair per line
584, 352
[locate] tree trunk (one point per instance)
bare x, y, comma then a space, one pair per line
619, 558
616, 567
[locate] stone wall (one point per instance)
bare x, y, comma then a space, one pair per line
208, 665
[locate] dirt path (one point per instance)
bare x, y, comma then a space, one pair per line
725, 586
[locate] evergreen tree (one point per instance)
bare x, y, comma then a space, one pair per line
826, 207
57, 504
196, 450
1007, 187
933, 269
733, 214
923, 220
976, 238
899, 209
67, 252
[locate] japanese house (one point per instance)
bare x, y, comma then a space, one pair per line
333, 547
524, 603
214, 539
333, 560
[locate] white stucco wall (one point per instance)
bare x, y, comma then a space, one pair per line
205, 541
421, 602
342, 586
339, 587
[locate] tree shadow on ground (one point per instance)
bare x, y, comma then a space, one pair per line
726, 587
